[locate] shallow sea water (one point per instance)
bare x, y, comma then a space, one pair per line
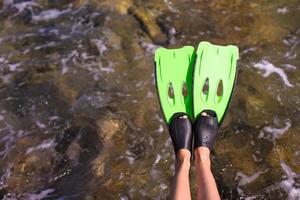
79, 115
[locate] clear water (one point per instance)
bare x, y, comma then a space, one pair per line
79, 115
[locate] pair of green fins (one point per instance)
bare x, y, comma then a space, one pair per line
190, 81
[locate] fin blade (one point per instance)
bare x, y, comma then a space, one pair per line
175, 67
217, 63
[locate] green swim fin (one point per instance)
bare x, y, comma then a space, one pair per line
174, 80
215, 73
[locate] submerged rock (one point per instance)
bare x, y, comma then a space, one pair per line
149, 25
90, 103
78, 110
31, 172
108, 127
19, 11
116, 5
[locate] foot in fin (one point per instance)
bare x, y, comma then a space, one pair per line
181, 132
174, 80
205, 129
215, 73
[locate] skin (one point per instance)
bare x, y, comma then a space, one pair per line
206, 185
181, 184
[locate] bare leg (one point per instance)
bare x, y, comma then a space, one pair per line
181, 186
206, 185
181, 135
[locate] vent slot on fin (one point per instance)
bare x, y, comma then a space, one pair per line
205, 87
171, 95
171, 91
220, 89
184, 90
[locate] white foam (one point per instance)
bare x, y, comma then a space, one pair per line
51, 44
158, 158
39, 196
2, 59
252, 198
40, 124
279, 99
124, 198
273, 133
172, 33
151, 141
5, 174
289, 66
49, 15
130, 157
289, 183
244, 179
69, 58
52, 118
23, 5
291, 54
163, 186
256, 159
251, 49
9, 138
14, 67
46, 30
161, 128
169, 4
269, 68
282, 10
149, 47
100, 46
237, 28
105, 69
61, 175
44, 145
150, 94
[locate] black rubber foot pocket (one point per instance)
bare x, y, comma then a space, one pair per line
181, 132
206, 129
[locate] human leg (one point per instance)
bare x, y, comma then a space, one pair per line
205, 128
181, 135
206, 185
181, 186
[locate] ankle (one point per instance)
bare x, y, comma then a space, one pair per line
202, 156
183, 157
